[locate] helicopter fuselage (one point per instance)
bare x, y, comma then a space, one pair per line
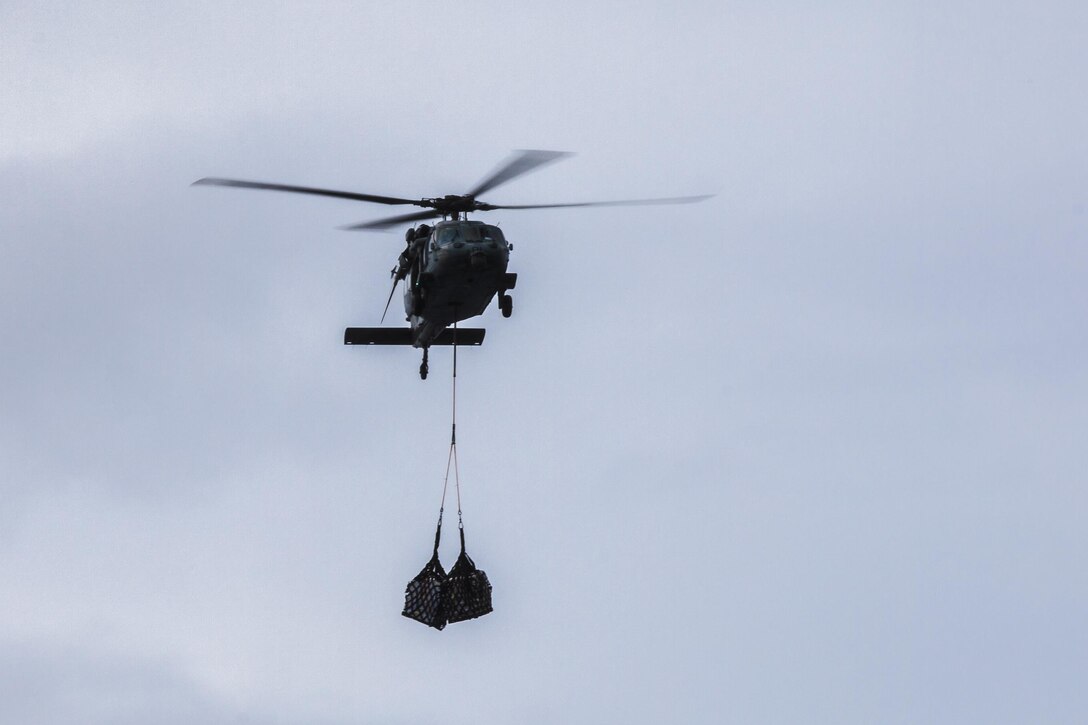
456, 270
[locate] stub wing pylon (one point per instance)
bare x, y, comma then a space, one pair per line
403, 336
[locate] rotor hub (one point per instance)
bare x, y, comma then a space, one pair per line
452, 203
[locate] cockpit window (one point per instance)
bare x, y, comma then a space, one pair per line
469, 233
448, 235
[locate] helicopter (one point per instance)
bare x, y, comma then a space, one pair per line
453, 268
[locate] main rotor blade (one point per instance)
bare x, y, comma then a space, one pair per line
622, 202
386, 310
521, 162
304, 190
383, 224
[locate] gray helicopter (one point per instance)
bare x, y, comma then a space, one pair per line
453, 268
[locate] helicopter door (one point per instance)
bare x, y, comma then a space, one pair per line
416, 292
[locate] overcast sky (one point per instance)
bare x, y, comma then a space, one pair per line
812, 451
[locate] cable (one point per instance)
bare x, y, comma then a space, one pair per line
452, 458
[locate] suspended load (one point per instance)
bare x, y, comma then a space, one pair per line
468, 592
434, 597
425, 596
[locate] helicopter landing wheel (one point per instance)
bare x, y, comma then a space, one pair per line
423, 368
506, 304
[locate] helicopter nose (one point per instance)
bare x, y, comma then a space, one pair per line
478, 259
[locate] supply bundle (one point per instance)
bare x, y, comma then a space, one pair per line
436, 598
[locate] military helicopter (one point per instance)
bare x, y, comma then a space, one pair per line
455, 267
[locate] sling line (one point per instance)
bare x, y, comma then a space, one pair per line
452, 458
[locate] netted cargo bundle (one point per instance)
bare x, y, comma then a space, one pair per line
436, 598
468, 592
425, 595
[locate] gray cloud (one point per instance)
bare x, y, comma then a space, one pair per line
57, 684
808, 451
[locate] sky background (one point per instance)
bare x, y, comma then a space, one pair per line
811, 451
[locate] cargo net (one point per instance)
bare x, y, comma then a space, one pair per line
468, 592
434, 597
424, 598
